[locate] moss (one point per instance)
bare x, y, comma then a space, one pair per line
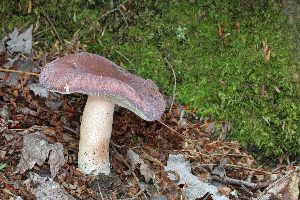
221, 78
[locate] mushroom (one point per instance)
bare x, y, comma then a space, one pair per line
106, 84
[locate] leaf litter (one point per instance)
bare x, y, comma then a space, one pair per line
36, 150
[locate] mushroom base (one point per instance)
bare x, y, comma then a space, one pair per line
95, 133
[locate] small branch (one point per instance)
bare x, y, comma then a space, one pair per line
134, 69
19, 72
139, 193
251, 186
236, 166
40, 32
155, 182
174, 95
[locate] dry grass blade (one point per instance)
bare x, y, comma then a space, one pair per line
20, 72
174, 95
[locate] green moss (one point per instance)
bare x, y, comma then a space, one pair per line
224, 78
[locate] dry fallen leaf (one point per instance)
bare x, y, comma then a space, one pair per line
56, 158
36, 150
276, 88
45, 188
259, 177
263, 90
144, 169
286, 188
224, 191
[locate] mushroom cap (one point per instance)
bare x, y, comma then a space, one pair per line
95, 75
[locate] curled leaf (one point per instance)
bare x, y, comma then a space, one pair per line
128, 6
124, 7
220, 30
263, 90
276, 88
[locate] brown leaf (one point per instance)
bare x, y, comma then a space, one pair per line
124, 7
220, 30
128, 6
52, 32
224, 191
276, 88
263, 90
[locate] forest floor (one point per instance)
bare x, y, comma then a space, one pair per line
142, 154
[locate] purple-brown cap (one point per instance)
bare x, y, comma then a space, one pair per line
95, 75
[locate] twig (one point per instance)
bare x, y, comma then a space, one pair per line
139, 193
9, 192
128, 166
46, 15
42, 31
236, 166
118, 146
20, 72
230, 154
174, 95
134, 69
100, 192
252, 186
248, 168
156, 186
123, 16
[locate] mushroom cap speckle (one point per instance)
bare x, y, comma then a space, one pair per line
95, 75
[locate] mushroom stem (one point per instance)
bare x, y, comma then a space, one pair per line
95, 133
